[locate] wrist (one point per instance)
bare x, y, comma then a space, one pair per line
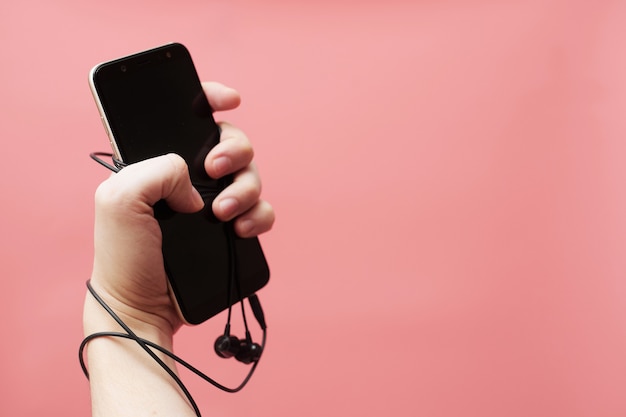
121, 371
147, 326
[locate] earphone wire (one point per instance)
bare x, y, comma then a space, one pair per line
146, 345
232, 250
141, 342
117, 164
132, 336
232, 263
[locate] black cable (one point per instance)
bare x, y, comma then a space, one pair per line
117, 164
230, 238
141, 342
147, 345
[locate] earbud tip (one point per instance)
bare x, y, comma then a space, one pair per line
249, 353
226, 346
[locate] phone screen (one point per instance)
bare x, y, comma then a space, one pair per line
154, 104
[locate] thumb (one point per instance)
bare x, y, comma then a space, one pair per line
161, 178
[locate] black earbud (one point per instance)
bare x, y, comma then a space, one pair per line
244, 350
226, 346
249, 352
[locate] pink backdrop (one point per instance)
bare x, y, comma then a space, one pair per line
449, 183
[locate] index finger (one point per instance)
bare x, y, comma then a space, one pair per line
220, 96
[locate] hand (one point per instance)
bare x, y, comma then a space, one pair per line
128, 268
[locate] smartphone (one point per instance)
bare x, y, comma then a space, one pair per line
152, 103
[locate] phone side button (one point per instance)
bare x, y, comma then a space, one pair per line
104, 125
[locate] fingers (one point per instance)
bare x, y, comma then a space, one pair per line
240, 200
239, 196
167, 177
220, 96
257, 220
233, 153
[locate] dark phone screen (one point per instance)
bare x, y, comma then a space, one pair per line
155, 104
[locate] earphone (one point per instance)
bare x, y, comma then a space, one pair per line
243, 350
228, 346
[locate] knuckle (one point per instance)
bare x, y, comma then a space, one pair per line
270, 215
177, 163
108, 196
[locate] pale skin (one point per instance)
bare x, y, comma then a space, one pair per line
128, 268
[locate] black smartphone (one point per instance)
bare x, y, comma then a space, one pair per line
152, 103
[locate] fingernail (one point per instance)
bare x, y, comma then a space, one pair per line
221, 165
228, 206
245, 228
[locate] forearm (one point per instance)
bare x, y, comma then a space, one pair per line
124, 379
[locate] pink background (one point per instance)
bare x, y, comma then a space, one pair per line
449, 183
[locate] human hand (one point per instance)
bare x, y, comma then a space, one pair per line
128, 270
